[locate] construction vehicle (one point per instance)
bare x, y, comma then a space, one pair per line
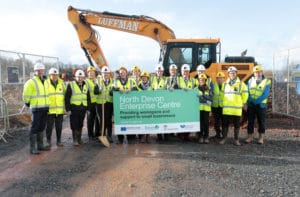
173, 50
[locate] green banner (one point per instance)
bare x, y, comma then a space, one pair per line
159, 111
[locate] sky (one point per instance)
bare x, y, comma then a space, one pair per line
262, 27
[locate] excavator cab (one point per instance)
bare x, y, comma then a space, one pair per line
206, 52
192, 52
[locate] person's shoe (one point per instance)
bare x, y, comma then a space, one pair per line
223, 141
261, 138
59, 144
216, 137
249, 138
201, 140
206, 141
75, 143
143, 140
237, 142
48, 144
110, 139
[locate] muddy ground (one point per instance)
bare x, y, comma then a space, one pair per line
170, 168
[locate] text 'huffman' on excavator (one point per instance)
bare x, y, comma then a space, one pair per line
173, 50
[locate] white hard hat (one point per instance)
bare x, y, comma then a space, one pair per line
53, 71
231, 69
201, 67
79, 73
105, 69
159, 67
185, 67
173, 66
39, 66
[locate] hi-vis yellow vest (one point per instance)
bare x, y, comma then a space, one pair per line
35, 94
130, 83
204, 106
91, 86
78, 97
256, 90
158, 85
104, 96
191, 83
218, 96
56, 97
235, 96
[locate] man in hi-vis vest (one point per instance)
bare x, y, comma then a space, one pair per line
35, 96
77, 100
56, 90
259, 90
234, 100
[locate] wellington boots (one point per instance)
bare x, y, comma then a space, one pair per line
79, 137
58, 138
224, 133
249, 138
261, 138
33, 144
74, 135
41, 143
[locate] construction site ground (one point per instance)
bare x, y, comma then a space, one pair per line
171, 168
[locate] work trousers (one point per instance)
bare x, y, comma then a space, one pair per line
226, 119
204, 124
39, 120
108, 112
52, 119
217, 114
76, 119
255, 111
92, 121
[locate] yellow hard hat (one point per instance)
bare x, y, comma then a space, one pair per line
136, 68
220, 74
202, 76
257, 68
145, 74
91, 68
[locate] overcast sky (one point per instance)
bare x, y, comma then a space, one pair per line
42, 27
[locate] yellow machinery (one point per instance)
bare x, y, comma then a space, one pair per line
174, 50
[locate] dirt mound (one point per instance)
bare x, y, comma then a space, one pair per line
19, 121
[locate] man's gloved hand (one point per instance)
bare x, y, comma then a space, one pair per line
27, 104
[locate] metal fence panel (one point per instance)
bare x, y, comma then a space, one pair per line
15, 69
286, 82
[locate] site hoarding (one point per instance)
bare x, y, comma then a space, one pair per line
161, 111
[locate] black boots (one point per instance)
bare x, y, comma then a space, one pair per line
74, 135
77, 137
58, 138
40, 143
36, 143
33, 144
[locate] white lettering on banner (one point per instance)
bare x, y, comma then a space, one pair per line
169, 105
152, 99
119, 24
133, 99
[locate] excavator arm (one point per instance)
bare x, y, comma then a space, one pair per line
83, 20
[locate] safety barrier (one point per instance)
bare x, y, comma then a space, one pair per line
4, 119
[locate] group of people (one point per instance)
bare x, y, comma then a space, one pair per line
50, 98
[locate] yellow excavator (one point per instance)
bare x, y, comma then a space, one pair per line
173, 50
